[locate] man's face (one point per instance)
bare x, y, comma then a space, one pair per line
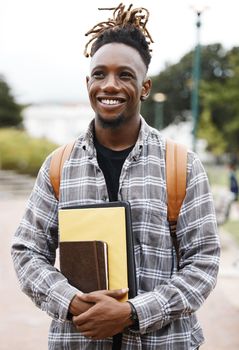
117, 82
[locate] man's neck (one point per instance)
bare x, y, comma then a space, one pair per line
118, 138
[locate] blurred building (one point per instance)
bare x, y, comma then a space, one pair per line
62, 123
57, 122
182, 133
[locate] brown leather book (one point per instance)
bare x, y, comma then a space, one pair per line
84, 264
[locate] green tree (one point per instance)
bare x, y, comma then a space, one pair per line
219, 96
220, 113
10, 111
175, 81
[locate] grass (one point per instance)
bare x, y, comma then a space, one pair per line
232, 227
21, 152
217, 175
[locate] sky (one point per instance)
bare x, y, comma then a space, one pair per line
42, 41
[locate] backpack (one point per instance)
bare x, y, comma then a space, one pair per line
176, 169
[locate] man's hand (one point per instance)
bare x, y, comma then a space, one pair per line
106, 317
78, 306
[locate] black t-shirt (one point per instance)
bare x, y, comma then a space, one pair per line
111, 163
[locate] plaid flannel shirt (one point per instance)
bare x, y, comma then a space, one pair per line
167, 299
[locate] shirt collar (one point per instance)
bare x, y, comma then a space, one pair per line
87, 139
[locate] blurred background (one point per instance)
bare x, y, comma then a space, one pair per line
44, 103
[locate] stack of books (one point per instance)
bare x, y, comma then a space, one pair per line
97, 248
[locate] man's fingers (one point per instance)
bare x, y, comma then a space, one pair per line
116, 293
91, 298
80, 320
96, 296
83, 328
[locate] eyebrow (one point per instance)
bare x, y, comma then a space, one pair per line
102, 66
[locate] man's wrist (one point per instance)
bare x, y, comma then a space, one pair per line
134, 318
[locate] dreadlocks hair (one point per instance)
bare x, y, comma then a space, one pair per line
126, 27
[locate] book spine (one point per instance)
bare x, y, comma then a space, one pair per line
97, 265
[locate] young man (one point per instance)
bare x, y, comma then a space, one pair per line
121, 158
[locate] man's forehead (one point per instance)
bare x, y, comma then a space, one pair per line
119, 53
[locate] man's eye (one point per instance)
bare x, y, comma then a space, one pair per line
98, 75
126, 75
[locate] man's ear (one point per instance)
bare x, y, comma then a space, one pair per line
146, 88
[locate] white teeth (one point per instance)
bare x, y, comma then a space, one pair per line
110, 102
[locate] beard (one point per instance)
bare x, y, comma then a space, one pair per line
112, 123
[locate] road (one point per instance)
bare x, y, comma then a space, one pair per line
23, 326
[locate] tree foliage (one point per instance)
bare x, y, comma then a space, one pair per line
10, 111
219, 96
220, 102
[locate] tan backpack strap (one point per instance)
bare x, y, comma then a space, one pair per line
176, 173
58, 159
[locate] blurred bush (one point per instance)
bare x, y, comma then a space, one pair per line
21, 152
217, 175
10, 110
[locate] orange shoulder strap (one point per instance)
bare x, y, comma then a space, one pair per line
58, 159
176, 170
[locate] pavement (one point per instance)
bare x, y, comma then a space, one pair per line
219, 316
24, 327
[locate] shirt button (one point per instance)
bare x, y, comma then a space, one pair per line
56, 315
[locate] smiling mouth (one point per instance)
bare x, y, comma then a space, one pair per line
111, 101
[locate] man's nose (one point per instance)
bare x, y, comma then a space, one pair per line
110, 83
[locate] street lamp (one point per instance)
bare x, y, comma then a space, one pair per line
159, 99
196, 75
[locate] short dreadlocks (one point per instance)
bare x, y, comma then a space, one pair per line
126, 27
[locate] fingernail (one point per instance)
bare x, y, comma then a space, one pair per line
125, 290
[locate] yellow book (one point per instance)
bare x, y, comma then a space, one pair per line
110, 223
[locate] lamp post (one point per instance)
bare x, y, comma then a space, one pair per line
159, 99
196, 76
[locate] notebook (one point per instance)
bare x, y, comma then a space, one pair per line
85, 264
109, 223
